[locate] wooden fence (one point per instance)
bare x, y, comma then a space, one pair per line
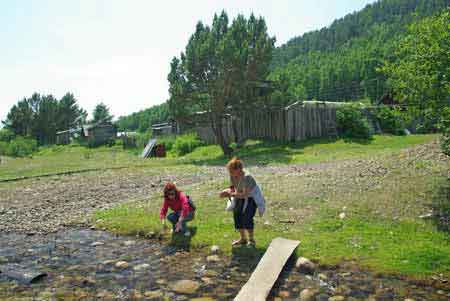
299, 121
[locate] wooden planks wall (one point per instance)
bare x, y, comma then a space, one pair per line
296, 123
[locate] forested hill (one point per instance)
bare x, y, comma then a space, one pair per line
142, 120
339, 62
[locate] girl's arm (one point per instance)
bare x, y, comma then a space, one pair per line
164, 209
244, 194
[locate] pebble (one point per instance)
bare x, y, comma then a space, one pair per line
213, 258
307, 294
305, 265
97, 243
122, 264
215, 249
185, 286
336, 298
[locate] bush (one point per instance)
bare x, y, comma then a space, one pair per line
185, 144
444, 126
6, 135
3, 148
142, 139
18, 147
351, 123
428, 121
391, 120
168, 142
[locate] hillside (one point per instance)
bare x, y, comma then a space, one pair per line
339, 62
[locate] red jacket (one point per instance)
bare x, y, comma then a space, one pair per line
180, 203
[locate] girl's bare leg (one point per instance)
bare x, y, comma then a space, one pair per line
242, 240
251, 239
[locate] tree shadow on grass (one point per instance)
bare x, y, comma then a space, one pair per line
363, 141
263, 152
441, 206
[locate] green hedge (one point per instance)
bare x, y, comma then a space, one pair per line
391, 120
444, 126
18, 147
6, 135
185, 144
351, 123
168, 142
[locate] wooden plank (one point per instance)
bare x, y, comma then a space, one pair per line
298, 124
306, 122
320, 121
266, 273
288, 125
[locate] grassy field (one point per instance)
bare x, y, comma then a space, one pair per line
62, 159
382, 186
382, 189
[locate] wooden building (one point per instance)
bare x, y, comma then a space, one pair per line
92, 134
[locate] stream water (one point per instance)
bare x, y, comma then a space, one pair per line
83, 264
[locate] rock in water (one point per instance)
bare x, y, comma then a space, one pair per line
213, 258
185, 286
215, 249
21, 274
305, 265
308, 294
122, 264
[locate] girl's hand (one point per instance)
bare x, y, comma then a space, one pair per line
164, 226
225, 193
178, 226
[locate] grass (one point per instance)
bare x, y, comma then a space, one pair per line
381, 229
60, 159
257, 152
56, 160
382, 199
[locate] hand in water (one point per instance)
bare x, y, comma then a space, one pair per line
178, 227
164, 226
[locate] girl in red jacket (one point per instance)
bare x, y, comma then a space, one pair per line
182, 210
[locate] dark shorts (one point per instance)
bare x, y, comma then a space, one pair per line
244, 220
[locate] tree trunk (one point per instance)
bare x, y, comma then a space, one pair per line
237, 138
217, 129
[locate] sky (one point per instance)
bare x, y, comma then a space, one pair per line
118, 52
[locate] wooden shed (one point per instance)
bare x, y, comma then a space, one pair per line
98, 134
93, 134
166, 128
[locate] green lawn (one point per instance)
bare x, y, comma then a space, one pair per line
311, 151
60, 159
382, 195
56, 160
381, 230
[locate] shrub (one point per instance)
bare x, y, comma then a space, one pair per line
351, 123
185, 144
20, 147
168, 142
6, 135
3, 148
428, 121
392, 120
142, 139
444, 126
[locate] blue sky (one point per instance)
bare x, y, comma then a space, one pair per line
119, 51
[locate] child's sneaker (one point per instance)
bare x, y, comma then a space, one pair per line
187, 233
